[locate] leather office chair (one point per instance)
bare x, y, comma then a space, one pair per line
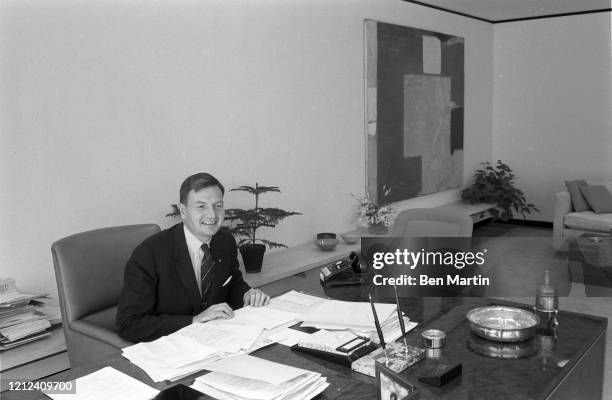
89, 269
433, 229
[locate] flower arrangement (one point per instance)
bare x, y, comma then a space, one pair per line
372, 214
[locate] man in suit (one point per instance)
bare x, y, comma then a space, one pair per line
188, 273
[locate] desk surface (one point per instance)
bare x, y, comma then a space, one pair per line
534, 377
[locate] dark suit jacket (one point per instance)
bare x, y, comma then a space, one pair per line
160, 294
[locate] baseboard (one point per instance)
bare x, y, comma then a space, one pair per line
527, 222
523, 222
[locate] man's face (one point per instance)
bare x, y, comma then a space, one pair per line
203, 212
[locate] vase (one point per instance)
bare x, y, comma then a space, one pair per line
378, 229
252, 257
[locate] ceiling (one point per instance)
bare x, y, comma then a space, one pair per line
508, 10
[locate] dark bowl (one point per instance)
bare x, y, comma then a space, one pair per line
326, 244
326, 235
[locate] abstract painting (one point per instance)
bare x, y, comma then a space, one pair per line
414, 111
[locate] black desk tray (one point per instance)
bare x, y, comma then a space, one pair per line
341, 359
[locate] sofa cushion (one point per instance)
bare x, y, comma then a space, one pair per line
598, 197
578, 201
606, 183
588, 221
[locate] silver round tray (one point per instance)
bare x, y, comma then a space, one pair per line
502, 324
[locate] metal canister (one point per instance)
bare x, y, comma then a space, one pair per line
433, 338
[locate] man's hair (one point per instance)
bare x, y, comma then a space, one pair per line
197, 182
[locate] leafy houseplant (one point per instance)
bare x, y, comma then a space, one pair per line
248, 221
376, 217
495, 185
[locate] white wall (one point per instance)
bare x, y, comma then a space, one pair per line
105, 107
552, 103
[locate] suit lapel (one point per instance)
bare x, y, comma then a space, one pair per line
184, 268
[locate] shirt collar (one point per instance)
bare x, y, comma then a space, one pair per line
193, 243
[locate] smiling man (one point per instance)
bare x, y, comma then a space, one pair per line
188, 273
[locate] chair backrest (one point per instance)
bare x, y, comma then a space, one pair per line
432, 222
89, 267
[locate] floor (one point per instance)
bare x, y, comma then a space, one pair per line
539, 242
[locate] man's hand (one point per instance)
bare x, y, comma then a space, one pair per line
216, 311
256, 298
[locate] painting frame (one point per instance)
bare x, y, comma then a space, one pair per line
414, 111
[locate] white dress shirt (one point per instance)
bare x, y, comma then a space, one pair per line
195, 253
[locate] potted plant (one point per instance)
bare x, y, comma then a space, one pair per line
378, 218
495, 185
248, 221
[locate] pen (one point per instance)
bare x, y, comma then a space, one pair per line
380, 332
401, 318
227, 281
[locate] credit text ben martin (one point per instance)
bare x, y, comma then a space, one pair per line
434, 260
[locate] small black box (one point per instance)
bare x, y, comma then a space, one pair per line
441, 374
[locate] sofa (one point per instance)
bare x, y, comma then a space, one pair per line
568, 223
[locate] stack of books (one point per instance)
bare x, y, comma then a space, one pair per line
21, 319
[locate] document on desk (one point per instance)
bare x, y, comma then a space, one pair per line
295, 302
289, 337
247, 377
251, 367
225, 336
264, 317
108, 383
335, 314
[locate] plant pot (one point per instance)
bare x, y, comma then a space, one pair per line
378, 229
252, 256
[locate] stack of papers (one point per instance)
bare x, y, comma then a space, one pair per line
264, 317
296, 303
289, 336
20, 321
107, 383
355, 316
248, 378
391, 329
224, 336
170, 357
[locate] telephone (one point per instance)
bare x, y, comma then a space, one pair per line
345, 271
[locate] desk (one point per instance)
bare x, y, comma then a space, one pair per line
581, 342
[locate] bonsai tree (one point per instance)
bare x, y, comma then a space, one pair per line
495, 185
247, 222
252, 219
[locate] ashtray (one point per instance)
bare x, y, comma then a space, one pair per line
503, 324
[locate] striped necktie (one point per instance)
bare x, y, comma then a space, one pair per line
206, 274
